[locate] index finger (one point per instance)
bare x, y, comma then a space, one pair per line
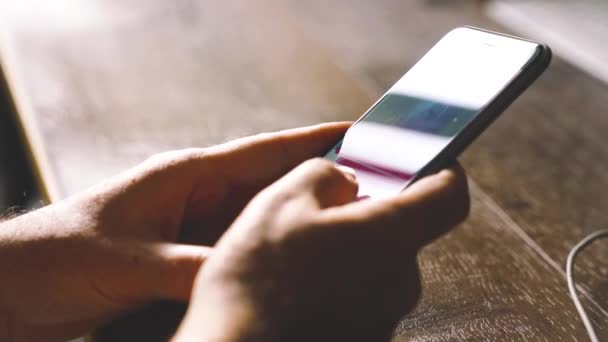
267, 156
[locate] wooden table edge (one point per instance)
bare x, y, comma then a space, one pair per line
26, 122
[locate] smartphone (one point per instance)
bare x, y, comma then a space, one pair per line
426, 119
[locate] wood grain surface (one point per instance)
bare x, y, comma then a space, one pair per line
104, 84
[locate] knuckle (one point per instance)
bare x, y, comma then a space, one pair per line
190, 155
156, 163
170, 158
156, 158
262, 136
164, 164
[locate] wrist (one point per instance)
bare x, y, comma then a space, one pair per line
219, 312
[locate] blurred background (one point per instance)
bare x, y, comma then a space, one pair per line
92, 87
576, 30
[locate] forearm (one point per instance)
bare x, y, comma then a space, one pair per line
69, 267
37, 253
22, 238
15, 246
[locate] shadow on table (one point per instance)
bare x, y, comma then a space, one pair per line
155, 322
18, 190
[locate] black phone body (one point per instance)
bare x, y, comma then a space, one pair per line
438, 108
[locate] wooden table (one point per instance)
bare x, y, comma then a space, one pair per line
100, 85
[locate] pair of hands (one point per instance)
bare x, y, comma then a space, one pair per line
298, 257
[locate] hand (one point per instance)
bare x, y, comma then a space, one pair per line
73, 265
306, 262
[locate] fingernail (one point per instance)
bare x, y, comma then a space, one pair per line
349, 172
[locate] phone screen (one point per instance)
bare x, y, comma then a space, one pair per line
431, 104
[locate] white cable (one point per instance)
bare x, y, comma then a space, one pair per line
572, 282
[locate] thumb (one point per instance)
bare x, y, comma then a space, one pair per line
170, 269
419, 214
318, 181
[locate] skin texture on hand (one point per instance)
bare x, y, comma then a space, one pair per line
305, 261
138, 237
